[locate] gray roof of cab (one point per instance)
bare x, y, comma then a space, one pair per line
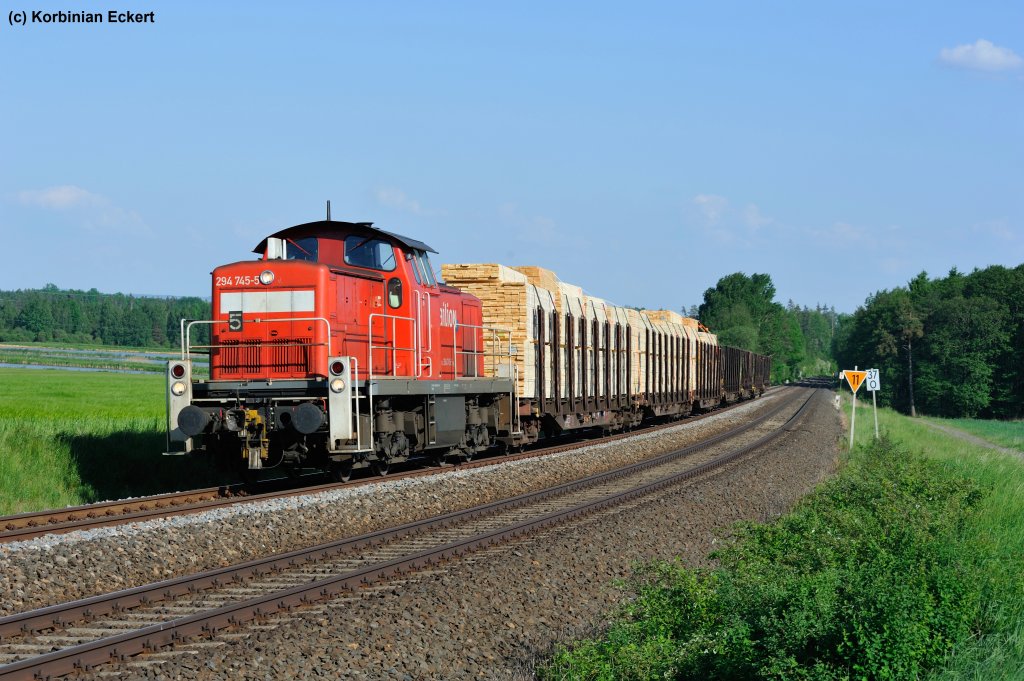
367, 226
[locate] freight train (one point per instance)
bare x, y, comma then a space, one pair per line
340, 348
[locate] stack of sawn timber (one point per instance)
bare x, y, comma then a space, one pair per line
512, 295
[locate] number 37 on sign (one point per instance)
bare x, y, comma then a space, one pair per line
873, 382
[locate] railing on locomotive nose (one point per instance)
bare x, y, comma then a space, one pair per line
186, 331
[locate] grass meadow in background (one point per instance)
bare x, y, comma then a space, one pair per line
69, 437
1003, 433
82, 356
908, 565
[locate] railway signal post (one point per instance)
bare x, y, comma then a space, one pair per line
855, 379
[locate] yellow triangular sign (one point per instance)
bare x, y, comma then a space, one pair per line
855, 378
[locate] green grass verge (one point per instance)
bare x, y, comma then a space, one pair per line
907, 565
68, 438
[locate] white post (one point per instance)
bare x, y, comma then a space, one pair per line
874, 403
853, 416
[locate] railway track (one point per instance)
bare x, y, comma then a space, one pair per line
117, 626
109, 513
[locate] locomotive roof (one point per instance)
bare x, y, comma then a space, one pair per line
328, 225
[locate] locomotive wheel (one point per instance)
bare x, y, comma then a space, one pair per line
380, 468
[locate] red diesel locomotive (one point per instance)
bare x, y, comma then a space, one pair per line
340, 349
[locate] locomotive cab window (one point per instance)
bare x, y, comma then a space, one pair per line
374, 254
429, 269
303, 248
395, 292
423, 271
414, 266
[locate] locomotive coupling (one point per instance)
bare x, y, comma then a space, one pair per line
257, 445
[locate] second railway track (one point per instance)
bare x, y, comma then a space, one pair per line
114, 626
26, 526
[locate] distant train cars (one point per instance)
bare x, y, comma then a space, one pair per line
339, 348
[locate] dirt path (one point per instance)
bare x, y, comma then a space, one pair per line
973, 439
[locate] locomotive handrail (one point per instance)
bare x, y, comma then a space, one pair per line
353, 364
186, 331
495, 342
393, 347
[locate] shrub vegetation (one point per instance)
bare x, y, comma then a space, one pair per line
906, 565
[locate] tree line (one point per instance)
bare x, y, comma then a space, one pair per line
742, 311
945, 347
51, 314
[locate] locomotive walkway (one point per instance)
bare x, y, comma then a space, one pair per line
124, 624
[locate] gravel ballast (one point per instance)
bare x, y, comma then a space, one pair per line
59, 568
491, 616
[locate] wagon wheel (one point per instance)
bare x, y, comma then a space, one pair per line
380, 467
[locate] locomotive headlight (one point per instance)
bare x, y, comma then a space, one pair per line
337, 385
178, 388
266, 277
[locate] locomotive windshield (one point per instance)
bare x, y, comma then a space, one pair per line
421, 268
303, 248
375, 254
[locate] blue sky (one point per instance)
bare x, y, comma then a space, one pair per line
640, 150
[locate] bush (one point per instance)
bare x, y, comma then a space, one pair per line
873, 576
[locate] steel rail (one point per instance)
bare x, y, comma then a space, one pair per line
85, 655
26, 526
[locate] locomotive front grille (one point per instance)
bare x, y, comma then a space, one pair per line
281, 355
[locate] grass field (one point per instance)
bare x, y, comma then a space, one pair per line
68, 438
92, 357
910, 564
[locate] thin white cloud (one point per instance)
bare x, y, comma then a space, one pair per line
728, 225
711, 206
981, 56
754, 218
63, 196
96, 212
538, 229
997, 228
396, 198
844, 235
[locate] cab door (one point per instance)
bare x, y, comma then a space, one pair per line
423, 307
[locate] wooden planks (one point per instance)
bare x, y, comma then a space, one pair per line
511, 296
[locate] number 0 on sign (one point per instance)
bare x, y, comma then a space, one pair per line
855, 378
